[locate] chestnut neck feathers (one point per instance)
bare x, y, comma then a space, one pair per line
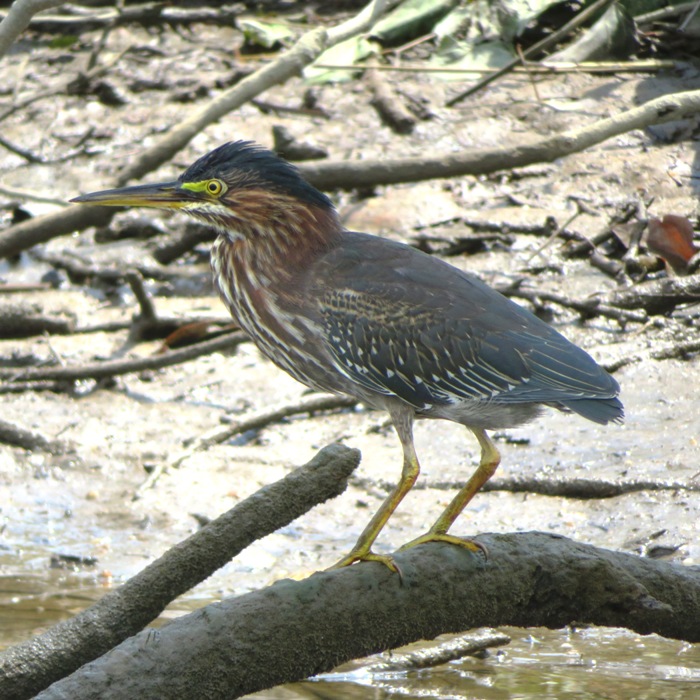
268, 211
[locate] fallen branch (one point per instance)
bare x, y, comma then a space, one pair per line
588, 308
263, 419
11, 434
481, 161
648, 65
295, 629
658, 296
78, 217
79, 270
178, 246
388, 104
21, 320
29, 667
113, 368
18, 18
545, 486
368, 173
675, 351
148, 14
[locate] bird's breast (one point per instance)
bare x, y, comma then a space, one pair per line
272, 314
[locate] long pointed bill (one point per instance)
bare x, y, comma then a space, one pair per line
165, 195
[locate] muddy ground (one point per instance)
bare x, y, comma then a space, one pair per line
81, 503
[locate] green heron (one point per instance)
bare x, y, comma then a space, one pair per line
351, 313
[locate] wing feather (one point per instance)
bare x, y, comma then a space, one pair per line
400, 323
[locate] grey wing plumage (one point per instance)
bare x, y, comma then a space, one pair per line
404, 324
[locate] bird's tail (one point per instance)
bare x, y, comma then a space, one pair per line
598, 410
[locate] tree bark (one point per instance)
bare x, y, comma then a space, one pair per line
295, 629
29, 667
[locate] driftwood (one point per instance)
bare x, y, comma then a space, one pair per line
294, 629
31, 666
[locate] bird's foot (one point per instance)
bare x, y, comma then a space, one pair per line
463, 542
368, 555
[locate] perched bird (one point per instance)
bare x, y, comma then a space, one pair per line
356, 314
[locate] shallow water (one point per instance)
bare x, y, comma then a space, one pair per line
538, 663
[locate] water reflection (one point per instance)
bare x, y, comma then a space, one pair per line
591, 663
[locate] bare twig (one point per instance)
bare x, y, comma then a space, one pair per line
30, 196
254, 422
638, 66
588, 308
579, 488
261, 420
147, 13
679, 351
25, 153
556, 233
467, 645
665, 13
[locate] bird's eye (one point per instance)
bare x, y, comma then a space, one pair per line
214, 187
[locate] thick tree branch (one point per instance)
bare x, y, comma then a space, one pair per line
295, 629
29, 667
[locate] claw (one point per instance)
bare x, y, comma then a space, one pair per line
471, 545
356, 556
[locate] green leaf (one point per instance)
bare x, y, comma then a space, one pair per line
346, 53
411, 19
63, 41
265, 34
453, 54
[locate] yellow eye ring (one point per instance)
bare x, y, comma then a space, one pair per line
215, 187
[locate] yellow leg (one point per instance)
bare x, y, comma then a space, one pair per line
490, 459
403, 423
